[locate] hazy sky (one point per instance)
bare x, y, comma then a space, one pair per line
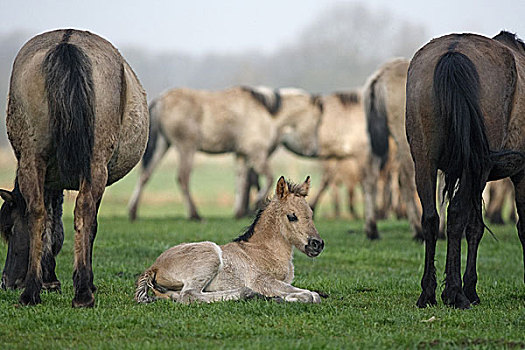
221, 26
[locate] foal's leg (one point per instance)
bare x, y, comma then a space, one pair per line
160, 149
459, 212
426, 187
272, 287
86, 207
53, 238
31, 174
186, 155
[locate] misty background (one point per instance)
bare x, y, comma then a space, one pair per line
320, 46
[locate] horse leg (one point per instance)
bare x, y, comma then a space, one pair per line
242, 187
371, 177
145, 174
53, 238
335, 200
442, 206
459, 211
272, 287
474, 233
351, 207
31, 176
407, 188
262, 167
426, 186
185, 166
85, 218
519, 194
325, 182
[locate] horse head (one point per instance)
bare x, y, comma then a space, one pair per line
14, 229
296, 217
303, 113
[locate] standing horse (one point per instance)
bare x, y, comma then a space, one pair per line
249, 122
384, 100
77, 119
259, 261
465, 116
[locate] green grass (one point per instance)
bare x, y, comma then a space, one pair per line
372, 286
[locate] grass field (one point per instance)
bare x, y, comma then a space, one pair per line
372, 286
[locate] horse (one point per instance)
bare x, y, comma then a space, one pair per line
343, 146
464, 115
258, 262
384, 103
250, 122
77, 119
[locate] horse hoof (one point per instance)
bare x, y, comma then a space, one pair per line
54, 286
195, 217
426, 300
83, 301
457, 300
28, 299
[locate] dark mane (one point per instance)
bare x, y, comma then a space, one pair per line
348, 98
250, 230
511, 40
270, 100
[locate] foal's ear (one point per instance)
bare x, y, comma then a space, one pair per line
305, 187
7, 196
282, 190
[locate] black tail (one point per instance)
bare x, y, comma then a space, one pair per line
457, 93
71, 103
376, 120
154, 134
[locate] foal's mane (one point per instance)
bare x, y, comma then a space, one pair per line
295, 189
511, 40
270, 99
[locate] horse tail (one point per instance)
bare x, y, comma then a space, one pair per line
71, 103
154, 134
144, 284
376, 119
467, 153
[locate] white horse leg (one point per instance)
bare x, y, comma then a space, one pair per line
145, 174
185, 165
241, 186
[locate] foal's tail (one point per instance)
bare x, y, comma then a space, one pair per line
376, 120
144, 284
457, 94
71, 102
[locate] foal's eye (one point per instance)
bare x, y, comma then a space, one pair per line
291, 217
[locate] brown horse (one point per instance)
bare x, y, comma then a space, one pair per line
77, 119
250, 122
465, 115
259, 261
384, 101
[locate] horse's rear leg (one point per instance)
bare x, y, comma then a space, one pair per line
145, 174
371, 177
326, 180
242, 188
53, 239
86, 208
519, 191
31, 176
473, 233
426, 187
185, 167
262, 167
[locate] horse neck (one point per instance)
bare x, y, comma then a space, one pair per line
267, 234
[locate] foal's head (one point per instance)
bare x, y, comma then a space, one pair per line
14, 229
296, 217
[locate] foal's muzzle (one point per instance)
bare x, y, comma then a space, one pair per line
314, 247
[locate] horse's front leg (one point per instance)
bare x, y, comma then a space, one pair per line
274, 288
86, 208
242, 188
262, 167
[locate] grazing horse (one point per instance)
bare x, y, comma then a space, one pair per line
384, 101
259, 261
250, 122
77, 119
464, 115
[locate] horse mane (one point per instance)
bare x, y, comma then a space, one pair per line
248, 232
511, 40
270, 99
348, 98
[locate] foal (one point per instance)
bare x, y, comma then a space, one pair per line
259, 261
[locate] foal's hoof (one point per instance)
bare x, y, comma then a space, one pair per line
52, 286
30, 298
86, 300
